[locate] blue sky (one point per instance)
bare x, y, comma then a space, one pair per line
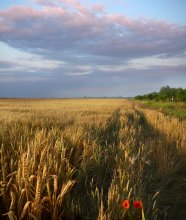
169, 10
72, 48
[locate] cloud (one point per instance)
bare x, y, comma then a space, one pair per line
126, 81
21, 79
5, 64
65, 48
33, 64
69, 27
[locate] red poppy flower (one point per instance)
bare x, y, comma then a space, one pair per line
126, 204
138, 204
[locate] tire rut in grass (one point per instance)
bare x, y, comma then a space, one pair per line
166, 174
97, 175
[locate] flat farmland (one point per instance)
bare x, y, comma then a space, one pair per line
81, 158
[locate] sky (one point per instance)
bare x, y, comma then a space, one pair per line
77, 48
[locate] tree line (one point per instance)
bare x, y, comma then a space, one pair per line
165, 94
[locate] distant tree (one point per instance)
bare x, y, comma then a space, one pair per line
165, 89
165, 94
181, 94
152, 96
139, 97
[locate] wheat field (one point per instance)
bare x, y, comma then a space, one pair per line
80, 158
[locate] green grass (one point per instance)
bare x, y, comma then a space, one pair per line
175, 109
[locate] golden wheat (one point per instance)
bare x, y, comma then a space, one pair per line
80, 158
